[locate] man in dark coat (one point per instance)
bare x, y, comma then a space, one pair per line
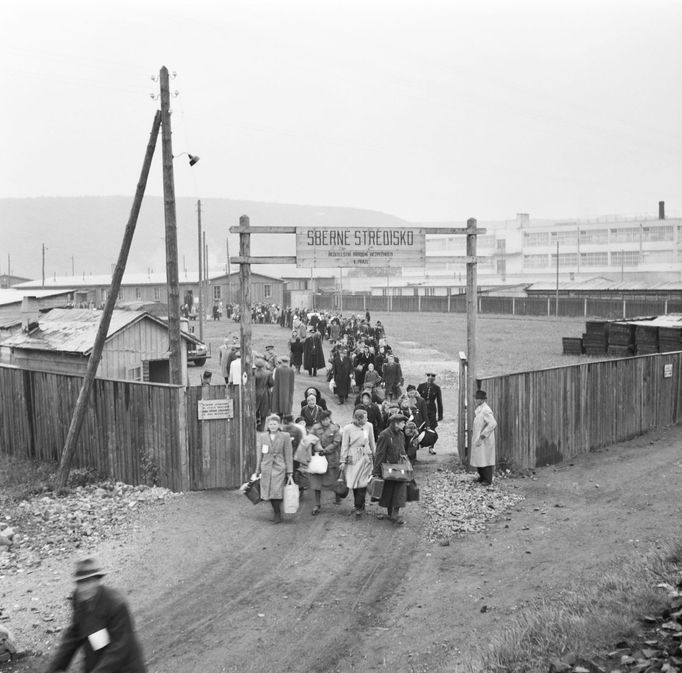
342, 369
101, 625
313, 356
431, 393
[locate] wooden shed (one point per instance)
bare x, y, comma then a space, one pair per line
136, 347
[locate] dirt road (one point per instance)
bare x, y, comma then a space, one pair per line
216, 588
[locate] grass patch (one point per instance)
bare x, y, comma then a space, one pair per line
588, 618
22, 478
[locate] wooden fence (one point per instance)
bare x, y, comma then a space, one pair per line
550, 415
605, 307
133, 432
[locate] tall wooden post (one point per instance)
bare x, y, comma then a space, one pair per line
248, 405
472, 312
105, 320
175, 358
201, 274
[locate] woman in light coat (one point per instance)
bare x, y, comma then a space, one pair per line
483, 440
357, 457
275, 463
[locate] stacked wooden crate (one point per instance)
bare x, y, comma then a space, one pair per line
669, 339
595, 339
621, 338
646, 339
573, 345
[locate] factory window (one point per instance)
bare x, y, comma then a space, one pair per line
267, 290
625, 258
625, 235
216, 293
565, 259
658, 256
533, 239
569, 237
657, 233
535, 261
594, 235
594, 259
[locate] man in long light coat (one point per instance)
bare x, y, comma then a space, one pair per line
483, 440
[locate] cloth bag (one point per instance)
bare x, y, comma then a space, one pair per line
291, 495
318, 464
401, 471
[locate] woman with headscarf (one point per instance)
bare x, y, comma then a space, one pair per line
391, 449
329, 446
311, 412
357, 456
312, 390
275, 463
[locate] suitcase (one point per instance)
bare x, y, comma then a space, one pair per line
375, 488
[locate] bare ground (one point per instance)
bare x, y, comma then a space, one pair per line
215, 587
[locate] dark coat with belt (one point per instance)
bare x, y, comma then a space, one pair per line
107, 610
433, 396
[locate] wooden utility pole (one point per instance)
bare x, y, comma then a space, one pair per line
556, 300
472, 312
175, 357
229, 272
93, 362
43, 283
248, 398
201, 273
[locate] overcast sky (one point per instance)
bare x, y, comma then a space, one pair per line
425, 110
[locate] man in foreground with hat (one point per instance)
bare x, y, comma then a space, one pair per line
483, 439
101, 624
433, 396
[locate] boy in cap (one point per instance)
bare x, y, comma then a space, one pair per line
101, 625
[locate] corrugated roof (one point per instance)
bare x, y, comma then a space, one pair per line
74, 330
600, 283
14, 296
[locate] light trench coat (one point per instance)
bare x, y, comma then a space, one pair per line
483, 437
357, 454
274, 461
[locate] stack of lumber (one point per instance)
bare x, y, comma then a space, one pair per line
621, 337
669, 339
646, 339
573, 345
595, 339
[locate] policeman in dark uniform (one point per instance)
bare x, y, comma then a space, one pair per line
431, 392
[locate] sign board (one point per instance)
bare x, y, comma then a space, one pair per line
667, 371
360, 247
210, 410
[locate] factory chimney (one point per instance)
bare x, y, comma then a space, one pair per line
661, 210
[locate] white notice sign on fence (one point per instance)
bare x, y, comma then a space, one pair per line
210, 410
393, 247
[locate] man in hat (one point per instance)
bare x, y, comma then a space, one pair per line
433, 397
483, 439
270, 357
101, 625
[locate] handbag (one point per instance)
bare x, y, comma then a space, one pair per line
318, 464
401, 471
340, 487
252, 491
291, 495
412, 491
375, 488
428, 437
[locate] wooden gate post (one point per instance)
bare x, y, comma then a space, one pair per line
247, 445
462, 445
472, 311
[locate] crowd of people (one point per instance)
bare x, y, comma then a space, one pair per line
390, 421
